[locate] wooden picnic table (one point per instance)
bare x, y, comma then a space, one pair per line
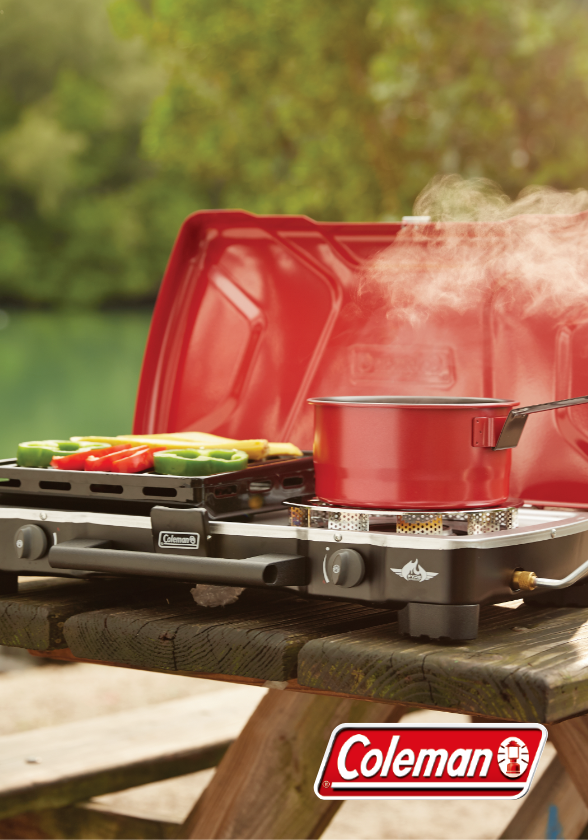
327, 662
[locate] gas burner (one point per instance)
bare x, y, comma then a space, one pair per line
313, 513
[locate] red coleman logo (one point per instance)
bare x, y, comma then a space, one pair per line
401, 761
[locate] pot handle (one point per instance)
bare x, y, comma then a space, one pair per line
512, 430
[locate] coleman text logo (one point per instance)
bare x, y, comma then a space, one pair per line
464, 761
178, 539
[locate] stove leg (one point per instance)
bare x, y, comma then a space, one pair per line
457, 622
8, 583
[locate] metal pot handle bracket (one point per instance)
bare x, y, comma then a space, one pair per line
512, 430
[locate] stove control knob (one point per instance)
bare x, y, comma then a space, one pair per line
345, 567
30, 542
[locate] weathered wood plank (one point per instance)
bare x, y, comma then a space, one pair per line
553, 808
34, 617
76, 761
259, 636
86, 820
291, 685
527, 664
570, 739
263, 787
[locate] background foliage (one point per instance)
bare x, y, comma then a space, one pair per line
84, 217
345, 110
111, 134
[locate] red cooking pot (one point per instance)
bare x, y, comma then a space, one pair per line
421, 453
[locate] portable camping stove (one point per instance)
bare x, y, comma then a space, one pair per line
256, 313
435, 568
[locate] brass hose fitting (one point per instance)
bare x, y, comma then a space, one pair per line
524, 580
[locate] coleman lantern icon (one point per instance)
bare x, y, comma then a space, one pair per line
513, 757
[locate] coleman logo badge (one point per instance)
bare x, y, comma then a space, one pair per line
414, 571
430, 761
178, 539
513, 757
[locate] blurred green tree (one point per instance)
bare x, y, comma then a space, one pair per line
338, 110
345, 110
84, 218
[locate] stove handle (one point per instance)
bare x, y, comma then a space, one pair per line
263, 570
511, 432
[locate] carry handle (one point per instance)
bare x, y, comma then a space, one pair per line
99, 556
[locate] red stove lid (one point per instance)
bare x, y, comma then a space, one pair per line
258, 313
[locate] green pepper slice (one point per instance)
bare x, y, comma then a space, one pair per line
199, 461
39, 453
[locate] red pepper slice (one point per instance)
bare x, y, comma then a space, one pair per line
124, 459
103, 463
135, 460
77, 460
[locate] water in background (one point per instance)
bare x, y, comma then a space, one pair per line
64, 374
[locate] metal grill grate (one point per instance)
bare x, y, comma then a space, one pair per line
313, 514
300, 517
419, 523
491, 521
348, 520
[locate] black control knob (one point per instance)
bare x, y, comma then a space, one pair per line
30, 542
345, 567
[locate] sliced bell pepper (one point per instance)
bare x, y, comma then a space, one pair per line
123, 459
138, 459
102, 462
256, 449
199, 461
39, 453
77, 460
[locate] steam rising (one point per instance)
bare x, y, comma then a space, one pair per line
530, 254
